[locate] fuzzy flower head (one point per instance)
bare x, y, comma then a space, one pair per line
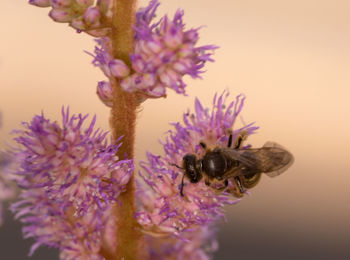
92, 17
70, 177
166, 211
164, 52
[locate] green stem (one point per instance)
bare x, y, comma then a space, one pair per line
123, 118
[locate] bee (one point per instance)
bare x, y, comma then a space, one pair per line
242, 166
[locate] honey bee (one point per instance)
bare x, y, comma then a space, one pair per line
242, 166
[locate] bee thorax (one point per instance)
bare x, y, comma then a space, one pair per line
214, 164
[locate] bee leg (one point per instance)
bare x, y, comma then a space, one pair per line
207, 182
239, 184
226, 183
239, 139
238, 142
237, 190
219, 190
223, 187
182, 186
204, 146
229, 141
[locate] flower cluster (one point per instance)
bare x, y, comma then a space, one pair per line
70, 178
82, 15
164, 52
165, 211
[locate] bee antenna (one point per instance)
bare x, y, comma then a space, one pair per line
177, 166
229, 141
182, 186
182, 181
204, 146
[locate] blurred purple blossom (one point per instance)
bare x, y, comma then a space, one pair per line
92, 17
164, 52
164, 210
70, 177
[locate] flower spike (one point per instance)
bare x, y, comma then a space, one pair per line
167, 211
70, 177
164, 52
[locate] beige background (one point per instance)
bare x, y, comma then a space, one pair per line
290, 58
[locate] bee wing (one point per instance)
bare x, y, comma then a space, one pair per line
271, 159
281, 158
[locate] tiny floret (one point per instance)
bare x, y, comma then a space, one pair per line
104, 92
119, 68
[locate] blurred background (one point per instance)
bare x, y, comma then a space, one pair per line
290, 58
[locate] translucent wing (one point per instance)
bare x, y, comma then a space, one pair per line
282, 159
271, 159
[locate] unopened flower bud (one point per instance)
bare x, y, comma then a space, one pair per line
127, 84
168, 77
78, 23
173, 38
185, 51
40, 3
92, 15
60, 3
104, 92
61, 15
149, 80
191, 35
154, 46
158, 91
118, 68
137, 63
182, 66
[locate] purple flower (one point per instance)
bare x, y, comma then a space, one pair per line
83, 15
165, 211
164, 52
70, 177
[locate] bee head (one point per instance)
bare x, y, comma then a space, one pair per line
192, 168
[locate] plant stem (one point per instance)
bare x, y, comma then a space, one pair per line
123, 117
